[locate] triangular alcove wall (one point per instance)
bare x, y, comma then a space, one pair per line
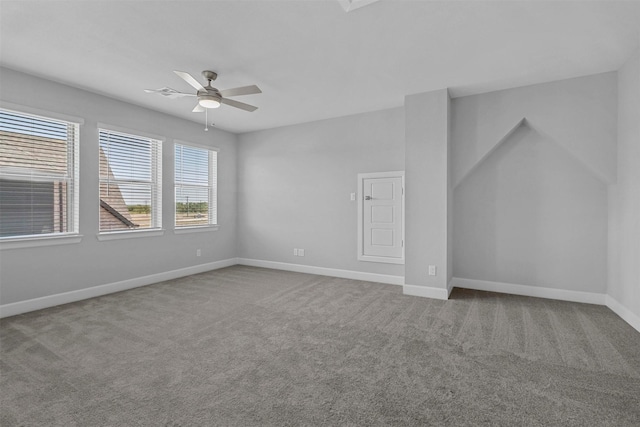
525, 123
531, 213
578, 114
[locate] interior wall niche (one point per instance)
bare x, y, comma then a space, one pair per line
531, 214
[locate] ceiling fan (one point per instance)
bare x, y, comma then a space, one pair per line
208, 96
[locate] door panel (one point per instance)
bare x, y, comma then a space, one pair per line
382, 214
381, 190
381, 237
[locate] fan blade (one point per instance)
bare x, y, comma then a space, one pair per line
168, 92
187, 78
240, 105
198, 109
245, 90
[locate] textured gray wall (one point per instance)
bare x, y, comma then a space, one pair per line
294, 185
28, 273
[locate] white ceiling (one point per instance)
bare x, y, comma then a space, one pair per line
312, 59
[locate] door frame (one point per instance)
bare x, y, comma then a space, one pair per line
360, 194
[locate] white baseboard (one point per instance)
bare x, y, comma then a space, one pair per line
20, 307
425, 291
323, 271
622, 311
449, 287
530, 291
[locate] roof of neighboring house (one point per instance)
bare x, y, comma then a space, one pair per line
113, 209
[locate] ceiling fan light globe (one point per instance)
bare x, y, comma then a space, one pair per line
208, 102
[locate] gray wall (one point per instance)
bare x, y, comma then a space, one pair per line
531, 167
624, 201
294, 185
578, 114
531, 214
28, 273
427, 188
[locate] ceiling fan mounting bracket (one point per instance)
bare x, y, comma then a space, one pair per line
209, 75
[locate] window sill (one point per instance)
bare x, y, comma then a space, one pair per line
129, 234
196, 229
33, 241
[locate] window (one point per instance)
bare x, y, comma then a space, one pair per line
196, 186
38, 176
130, 182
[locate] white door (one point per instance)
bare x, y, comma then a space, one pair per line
382, 217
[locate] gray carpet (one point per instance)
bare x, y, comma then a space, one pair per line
248, 346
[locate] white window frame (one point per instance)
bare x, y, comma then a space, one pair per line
72, 235
212, 225
156, 194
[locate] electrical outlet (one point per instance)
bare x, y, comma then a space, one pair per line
295, 252
198, 252
432, 270
300, 252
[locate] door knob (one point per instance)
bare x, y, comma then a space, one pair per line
367, 197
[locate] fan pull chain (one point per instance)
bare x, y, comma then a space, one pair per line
206, 120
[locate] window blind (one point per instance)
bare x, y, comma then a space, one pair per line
195, 186
38, 175
130, 182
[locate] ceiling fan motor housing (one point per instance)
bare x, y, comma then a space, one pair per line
209, 99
